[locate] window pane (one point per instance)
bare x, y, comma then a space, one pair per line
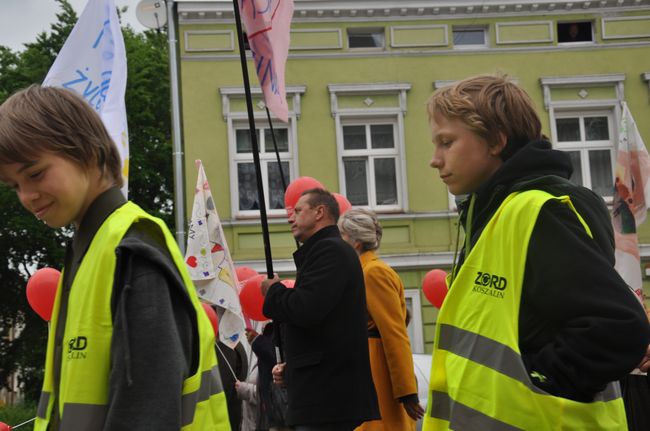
576, 176
600, 164
243, 138
247, 187
381, 136
574, 32
356, 183
469, 37
281, 138
354, 137
596, 129
385, 181
276, 191
366, 38
568, 129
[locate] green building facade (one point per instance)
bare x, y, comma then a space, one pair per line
358, 77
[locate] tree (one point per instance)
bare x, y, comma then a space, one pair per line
25, 243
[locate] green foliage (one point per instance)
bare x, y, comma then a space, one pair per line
25, 243
15, 415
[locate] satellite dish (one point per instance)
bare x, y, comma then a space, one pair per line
151, 13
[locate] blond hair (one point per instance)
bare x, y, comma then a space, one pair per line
362, 225
39, 120
489, 105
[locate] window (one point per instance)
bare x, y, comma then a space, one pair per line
568, 32
414, 329
246, 186
371, 163
469, 37
588, 138
366, 38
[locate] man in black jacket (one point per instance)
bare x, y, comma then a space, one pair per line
323, 319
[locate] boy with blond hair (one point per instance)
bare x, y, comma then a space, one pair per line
537, 326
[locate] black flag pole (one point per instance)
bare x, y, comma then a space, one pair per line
256, 152
277, 156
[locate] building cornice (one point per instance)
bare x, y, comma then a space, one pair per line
382, 10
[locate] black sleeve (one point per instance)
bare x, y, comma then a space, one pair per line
264, 348
580, 325
318, 290
151, 352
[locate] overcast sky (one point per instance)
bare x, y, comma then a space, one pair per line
22, 20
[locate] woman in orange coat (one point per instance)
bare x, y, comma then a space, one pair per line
390, 351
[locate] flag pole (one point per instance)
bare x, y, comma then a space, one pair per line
253, 134
179, 185
277, 156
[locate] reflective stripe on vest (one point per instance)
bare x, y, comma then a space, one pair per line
85, 369
478, 378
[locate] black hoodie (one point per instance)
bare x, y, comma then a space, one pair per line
580, 325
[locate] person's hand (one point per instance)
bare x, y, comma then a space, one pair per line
251, 334
645, 362
264, 287
237, 384
278, 373
413, 408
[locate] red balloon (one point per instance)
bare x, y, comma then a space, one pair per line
244, 273
212, 315
41, 290
295, 190
344, 203
4, 427
251, 298
288, 283
434, 286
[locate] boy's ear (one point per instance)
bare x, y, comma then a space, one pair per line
501, 142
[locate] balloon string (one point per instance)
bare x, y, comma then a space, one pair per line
24, 423
227, 363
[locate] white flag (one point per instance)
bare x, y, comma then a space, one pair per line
92, 63
631, 198
209, 263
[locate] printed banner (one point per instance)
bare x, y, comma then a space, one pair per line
631, 195
210, 265
267, 25
92, 63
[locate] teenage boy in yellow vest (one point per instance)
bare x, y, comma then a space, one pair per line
130, 347
537, 326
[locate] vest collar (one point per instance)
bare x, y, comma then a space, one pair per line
98, 211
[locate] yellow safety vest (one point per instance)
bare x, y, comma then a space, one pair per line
478, 378
85, 366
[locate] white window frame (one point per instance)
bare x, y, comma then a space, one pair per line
383, 115
369, 155
235, 119
414, 330
265, 159
583, 105
583, 146
484, 29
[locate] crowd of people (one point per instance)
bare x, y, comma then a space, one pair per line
535, 333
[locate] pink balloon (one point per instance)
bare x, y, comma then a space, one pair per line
244, 273
295, 190
251, 298
434, 286
288, 283
41, 290
344, 203
4, 427
212, 315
